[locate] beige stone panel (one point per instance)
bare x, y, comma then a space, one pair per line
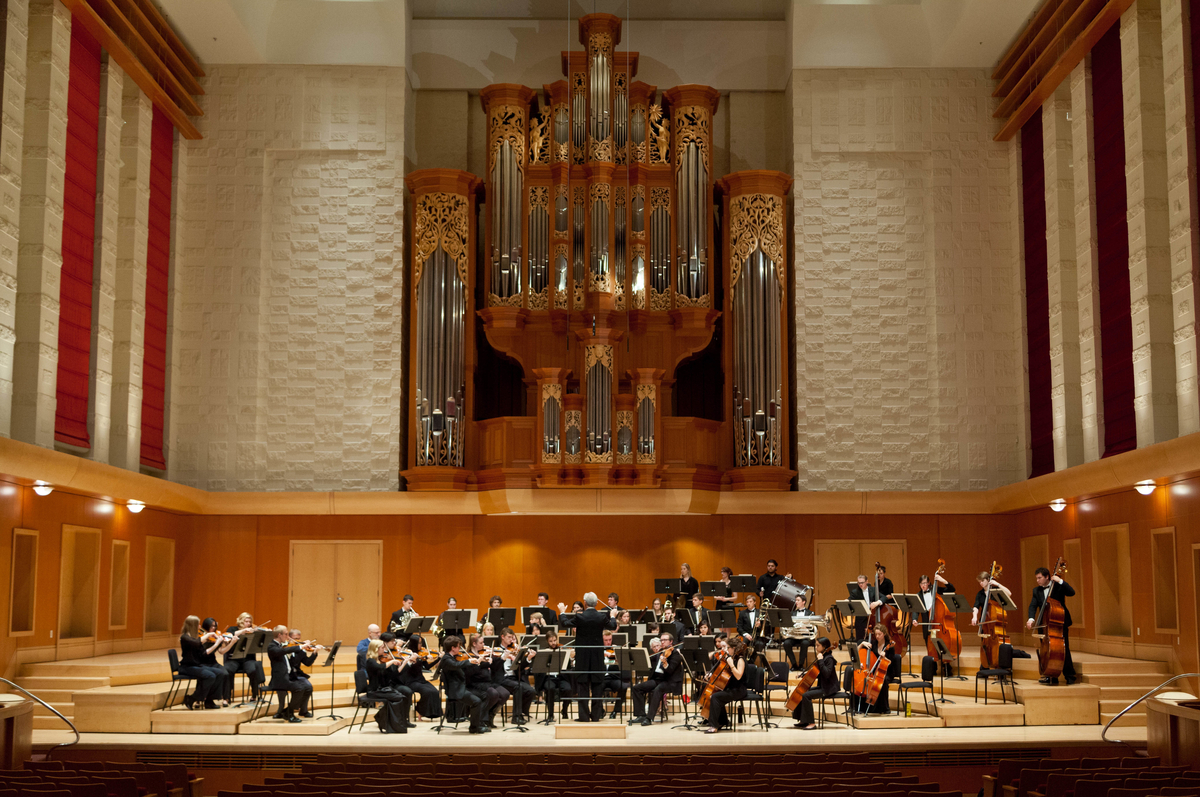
12, 129
1016, 186
756, 121
1155, 406
39, 259
1083, 152
441, 129
1181, 204
1066, 397
108, 205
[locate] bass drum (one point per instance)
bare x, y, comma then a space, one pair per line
784, 596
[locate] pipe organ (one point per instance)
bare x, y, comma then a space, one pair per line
603, 279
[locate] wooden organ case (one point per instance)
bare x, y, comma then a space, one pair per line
599, 277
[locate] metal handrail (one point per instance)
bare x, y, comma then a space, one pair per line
57, 713
1151, 693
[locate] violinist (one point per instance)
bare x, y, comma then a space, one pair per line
249, 664
373, 632
453, 673
282, 682
210, 679
615, 680
665, 678
753, 624
487, 629
480, 681
429, 707
802, 634
880, 644
865, 591
1053, 587
381, 663
735, 689
688, 585
730, 598
512, 675
554, 684
827, 684
209, 633
537, 624
926, 591
304, 655
396, 675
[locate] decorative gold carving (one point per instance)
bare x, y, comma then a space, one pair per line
601, 150
578, 295
539, 142
601, 41
440, 219
540, 300
660, 301
601, 283
700, 301
601, 192
593, 458
619, 296
561, 298
624, 421
598, 353
692, 127
506, 301
756, 220
660, 136
659, 198
573, 420
647, 392
539, 196
620, 195
507, 123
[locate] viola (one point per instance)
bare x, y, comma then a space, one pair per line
805, 684
890, 617
943, 622
1052, 648
993, 631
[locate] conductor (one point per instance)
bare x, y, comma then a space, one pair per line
589, 628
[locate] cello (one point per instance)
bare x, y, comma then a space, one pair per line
889, 617
871, 672
805, 684
994, 618
717, 680
942, 622
1052, 649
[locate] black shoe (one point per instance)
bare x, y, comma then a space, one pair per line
646, 722
210, 704
518, 721
306, 714
488, 728
612, 716
477, 730
189, 703
1072, 679
408, 724
1048, 681
402, 730
294, 718
282, 715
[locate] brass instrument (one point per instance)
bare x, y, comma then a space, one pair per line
805, 627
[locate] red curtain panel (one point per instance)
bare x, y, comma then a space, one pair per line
1037, 296
78, 241
1112, 246
158, 266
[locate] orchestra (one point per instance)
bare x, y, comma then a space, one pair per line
482, 675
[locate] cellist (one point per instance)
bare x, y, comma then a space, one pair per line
880, 644
826, 685
1053, 587
927, 595
735, 688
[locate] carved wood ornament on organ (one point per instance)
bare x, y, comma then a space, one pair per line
600, 276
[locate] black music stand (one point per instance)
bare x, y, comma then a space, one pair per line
251, 645
418, 625
549, 662
455, 621
691, 674
502, 618
852, 608
331, 662
914, 605
620, 639
722, 618
944, 657
712, 589
744, 583
635, 661
666, 586
643, 616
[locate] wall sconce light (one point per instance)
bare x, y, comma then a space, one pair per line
43, 488
1058, 504
135, 505
1145, 486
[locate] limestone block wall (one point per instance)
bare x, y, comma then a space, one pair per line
908, 347
289, 284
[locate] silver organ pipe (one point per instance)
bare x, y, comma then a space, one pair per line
599, 84
758, 388
577, 242
599, 249
637, 126
691, 183
539, 249
645, 412
550, 418
562, 122
560, 274
507, 193
639, 214
638, 283
660, 250
620, 119
599, 410
441, 310
579, 121
619, 245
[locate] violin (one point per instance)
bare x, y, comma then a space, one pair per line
209, 637
309, 646
1052, 648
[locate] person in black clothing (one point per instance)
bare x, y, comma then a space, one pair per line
799, 612
209, 631
249, 665
615, 680
669, 623
769, 581
880, 644
480, 680
614, 602
413, 677
400, 619
392, 716
282, 682
443, 630
302, 657
827, 684
453, 674
925, 590
730, 598
688, 585
512, 675
752, 623
865, 591
549, 616
1054, 587
698, 613
735, 688
665, 678
209, 678
979, 610
554, 685
589, 628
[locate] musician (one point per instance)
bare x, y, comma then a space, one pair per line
698, 612
537, 624
249, 664
554, 685
865, 591
880, 644
805, 634
548, 613
1053, 586
624, 618
209, 678
494, 603
665, 678
373, 632
688, 585
704, 629
443, 630
656, 606
429, 706
209, 632
481, 683
487, 629
827, 684
589, 628
401, 617
885, 583
768, 582
925, 590
985, 580
576, 607
671, 625
615, 679
453, 674
380, 666
302, 657
282, 682
614, 601
730, 598
735, 688
512, 676
753, 624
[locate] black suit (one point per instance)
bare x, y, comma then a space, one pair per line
283, 665
589, 626
869, 595
617, 681
1060, 593
745, 624
675, 628
664, 681
453, 675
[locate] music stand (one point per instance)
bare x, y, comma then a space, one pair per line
418, 625
722, 618
548, 662
666, 586
643, 616
779, 618
502, 618
690, 675
251, 645
744, 583
914, 605
455, 621
526, 611
944, 657
959, 604
331, 662
712, 589
635, 661
630, 632
620, 639
853, 608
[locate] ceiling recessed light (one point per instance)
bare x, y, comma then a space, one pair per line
1145, 486
1058, 504
135, 505
43, 488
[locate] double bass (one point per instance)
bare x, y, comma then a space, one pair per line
994, 619
889, 617
1052, 649
941, 621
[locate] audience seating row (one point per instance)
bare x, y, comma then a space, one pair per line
102, 779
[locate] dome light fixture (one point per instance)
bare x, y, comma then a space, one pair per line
43, 488
1145, 486
1058, 504
135, 505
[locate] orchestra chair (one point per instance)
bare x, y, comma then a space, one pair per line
756, 695
841, 695
178, 680
451, 709
778, 682
361, 701
924, 686
1002, 673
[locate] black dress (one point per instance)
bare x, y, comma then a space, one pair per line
193, 663
392, 716
735, 689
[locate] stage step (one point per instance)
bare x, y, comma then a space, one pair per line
318, 726
1137, 678
1132, 719
879, 721
1112, 707
37, 684
971, 714
66, 709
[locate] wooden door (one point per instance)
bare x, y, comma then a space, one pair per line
892, 554
840, 562
335, 588
359, 598
313, 588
